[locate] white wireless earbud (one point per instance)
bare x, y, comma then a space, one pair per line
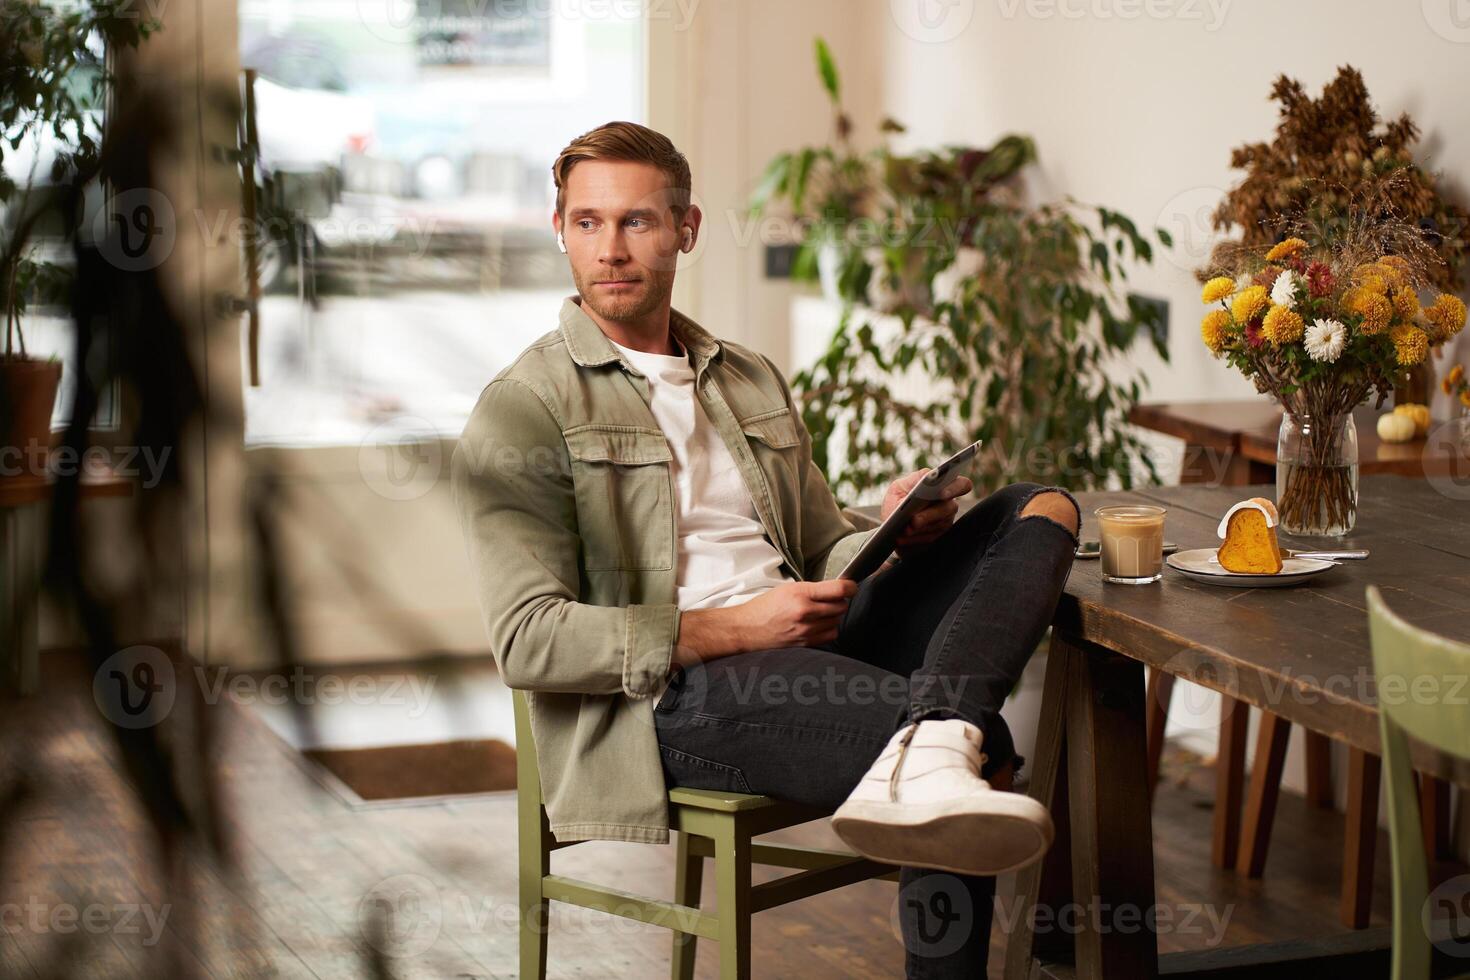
561, 243
688, 239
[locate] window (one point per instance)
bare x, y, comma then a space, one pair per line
405, 155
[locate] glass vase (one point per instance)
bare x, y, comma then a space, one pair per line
1317, 474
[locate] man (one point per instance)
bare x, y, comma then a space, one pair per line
656, 553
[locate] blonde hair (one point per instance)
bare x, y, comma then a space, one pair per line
627, 141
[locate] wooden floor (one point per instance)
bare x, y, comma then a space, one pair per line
313, 876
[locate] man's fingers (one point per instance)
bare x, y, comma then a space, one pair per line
834, 588
824, 610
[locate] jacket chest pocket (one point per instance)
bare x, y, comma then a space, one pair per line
774, 441
621, 476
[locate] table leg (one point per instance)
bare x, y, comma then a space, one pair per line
1260, 806
1111, 821
1434, 813
1360, 840
1319, 769
1235, 719
1046, 885
1160, 693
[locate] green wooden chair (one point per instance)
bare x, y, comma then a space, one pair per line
1403, 650
708, 824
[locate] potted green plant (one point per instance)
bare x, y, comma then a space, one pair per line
53, 82
1013, 313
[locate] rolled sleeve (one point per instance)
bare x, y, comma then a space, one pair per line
653, 629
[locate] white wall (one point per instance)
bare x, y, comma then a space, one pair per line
1140, 112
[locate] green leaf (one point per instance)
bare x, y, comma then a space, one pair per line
827, 68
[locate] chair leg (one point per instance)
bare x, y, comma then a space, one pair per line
535, 909
688, 877
1361, 839
1160, 693
1260, 805
732, 886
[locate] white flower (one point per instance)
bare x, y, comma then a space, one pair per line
1283, 290
1325, 339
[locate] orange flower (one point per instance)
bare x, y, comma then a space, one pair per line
1282, 326
1282, 250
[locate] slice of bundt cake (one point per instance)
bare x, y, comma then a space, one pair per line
1249, 533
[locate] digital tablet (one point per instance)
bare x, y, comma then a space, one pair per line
878, 547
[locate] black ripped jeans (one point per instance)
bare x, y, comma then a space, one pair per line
945, 633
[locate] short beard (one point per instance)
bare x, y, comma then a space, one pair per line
658, 288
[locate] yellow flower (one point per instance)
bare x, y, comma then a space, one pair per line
1370, 277
1447, 313
1374, 309
1217, 289
1395, 262
1391, 273
1456, 373
1282, 326
1405, 303
1465, 398
1285, 249
1410, 344
1215, 329
1249, 303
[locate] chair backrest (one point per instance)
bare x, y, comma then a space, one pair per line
1421, 680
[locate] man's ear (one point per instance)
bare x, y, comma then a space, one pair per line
561, 242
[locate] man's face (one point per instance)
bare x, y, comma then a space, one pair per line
622, 240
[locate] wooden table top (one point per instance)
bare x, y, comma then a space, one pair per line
1250, 427
1301, 652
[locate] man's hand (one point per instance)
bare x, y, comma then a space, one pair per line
792, 614
933, 519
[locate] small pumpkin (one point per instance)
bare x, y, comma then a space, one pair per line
1396, 426
1419, 413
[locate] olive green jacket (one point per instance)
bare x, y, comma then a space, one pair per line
564, 487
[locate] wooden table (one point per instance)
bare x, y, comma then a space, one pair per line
1234, 442
1300, 652
22, 498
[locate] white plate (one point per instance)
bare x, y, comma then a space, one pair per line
1199, 564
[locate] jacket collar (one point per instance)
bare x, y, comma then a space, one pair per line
590, 347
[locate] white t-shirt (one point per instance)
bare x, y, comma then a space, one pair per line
724, 557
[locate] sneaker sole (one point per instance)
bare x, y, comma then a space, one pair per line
1004, 832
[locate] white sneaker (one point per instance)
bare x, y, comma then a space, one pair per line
923, 804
